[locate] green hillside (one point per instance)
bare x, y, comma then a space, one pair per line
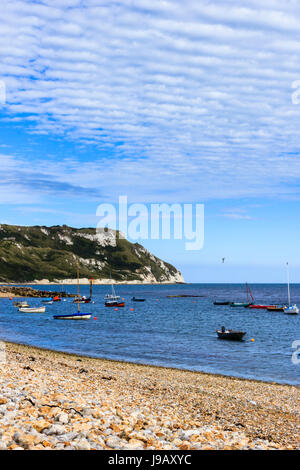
35, 253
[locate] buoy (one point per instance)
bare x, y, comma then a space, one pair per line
123, 298
95, 318
252, 339
10, 298
131, 309
116, 309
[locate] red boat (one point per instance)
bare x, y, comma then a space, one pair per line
82, 300
113, 303
262, 306
56, 299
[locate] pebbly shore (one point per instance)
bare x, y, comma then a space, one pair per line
51, 400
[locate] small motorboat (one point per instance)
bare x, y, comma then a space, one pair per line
262, 307
82, 300
32, 309
114, 303
275, 308
217, 302
73, 316
20, 304
134, 299
240, 304
291, 310
230, 334
47, 302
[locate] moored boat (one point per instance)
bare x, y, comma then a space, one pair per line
20, 304
233, 335
262, 307
114, 303
32, 309
134, 299
73, 316
244, 304
291, 310
217, 302
82, 300
77, 315
239, 304
275, 308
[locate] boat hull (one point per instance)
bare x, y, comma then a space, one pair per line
114, 304
262, 307
291, 310
221, 303
231, 335
73, 316
32, 310
240, 304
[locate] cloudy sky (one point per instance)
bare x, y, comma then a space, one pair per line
162, 101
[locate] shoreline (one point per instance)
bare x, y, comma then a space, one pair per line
57, 400
144, 364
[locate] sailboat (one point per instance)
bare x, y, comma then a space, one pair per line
112, 300
244, 304
291, 309
78, 315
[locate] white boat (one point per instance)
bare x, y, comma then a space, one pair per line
291, 309
32, 309
20, 304
112, 296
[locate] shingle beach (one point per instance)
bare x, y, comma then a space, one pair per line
52, 400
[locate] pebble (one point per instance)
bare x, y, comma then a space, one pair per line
144, 408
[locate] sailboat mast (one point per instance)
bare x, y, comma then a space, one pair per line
78, 286
288, 278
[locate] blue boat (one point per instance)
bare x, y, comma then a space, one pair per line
74, 316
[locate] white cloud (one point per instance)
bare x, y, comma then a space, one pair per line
191, 99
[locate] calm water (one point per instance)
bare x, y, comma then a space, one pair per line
177, 332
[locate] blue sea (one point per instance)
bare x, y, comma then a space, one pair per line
172, 332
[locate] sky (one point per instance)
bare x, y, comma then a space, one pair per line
191, 102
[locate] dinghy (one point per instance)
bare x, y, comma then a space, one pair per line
73, 316
230, 334
134, 299
32, 309
20, 304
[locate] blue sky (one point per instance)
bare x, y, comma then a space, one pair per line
162, 101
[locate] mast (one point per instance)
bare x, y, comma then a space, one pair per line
91, 287
288, 278
78, 286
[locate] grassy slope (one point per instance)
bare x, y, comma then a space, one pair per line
27, 253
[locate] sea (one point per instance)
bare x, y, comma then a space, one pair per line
178, 332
